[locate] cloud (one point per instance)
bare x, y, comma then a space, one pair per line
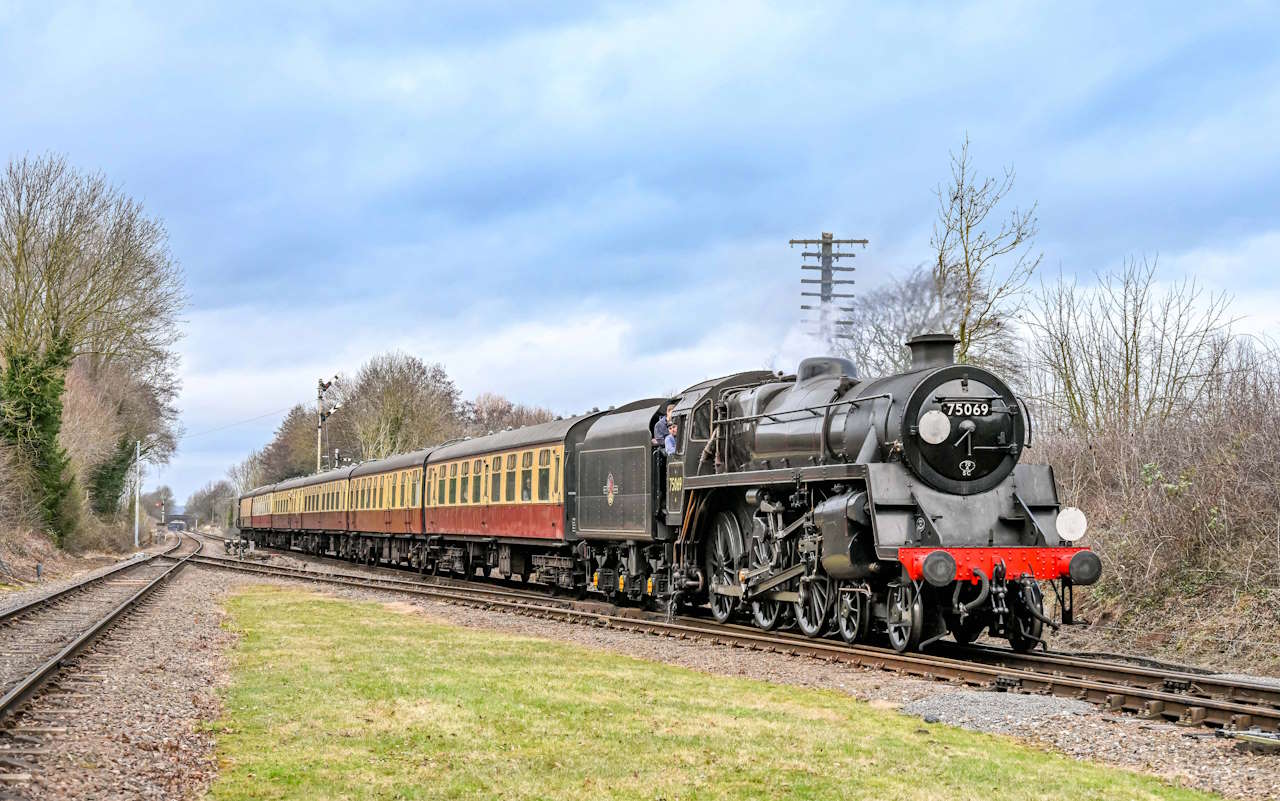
577, 203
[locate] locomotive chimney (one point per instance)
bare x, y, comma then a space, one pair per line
932, 350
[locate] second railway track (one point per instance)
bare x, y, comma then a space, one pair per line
41, 636
1188, 698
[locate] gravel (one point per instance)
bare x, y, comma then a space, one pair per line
996, 712
133, 705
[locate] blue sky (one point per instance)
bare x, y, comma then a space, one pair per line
578, 204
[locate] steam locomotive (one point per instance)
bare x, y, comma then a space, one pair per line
894, 507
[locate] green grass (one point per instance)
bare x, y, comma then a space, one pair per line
334, 699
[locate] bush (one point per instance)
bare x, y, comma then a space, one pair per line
1185, 514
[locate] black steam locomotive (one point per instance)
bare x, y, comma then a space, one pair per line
886, 507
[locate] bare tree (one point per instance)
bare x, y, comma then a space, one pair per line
212, 503
885, 318
398, 403
491, 412
82, 264
16, 510
983, 259
90, 428
246, 475
1123, 355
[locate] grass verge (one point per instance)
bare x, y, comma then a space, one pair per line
335, 699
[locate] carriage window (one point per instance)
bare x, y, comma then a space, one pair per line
382, 489
555, 481
526, 476
404, 482
544, 474
413, 499
466, 482
702, 422
495, 482
453, 483
511, 478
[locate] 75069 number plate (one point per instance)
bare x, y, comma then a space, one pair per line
966, 408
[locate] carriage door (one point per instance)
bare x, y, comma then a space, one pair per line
388, 498
406, 513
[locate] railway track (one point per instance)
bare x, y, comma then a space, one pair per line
1153, 693
42, 636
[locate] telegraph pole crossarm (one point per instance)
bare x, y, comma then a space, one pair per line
827, 253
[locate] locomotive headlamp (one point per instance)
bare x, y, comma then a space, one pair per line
939, 568
1071, 524
935, 427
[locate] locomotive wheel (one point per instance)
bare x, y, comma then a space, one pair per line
765, 614
853, 616
813, 610
1025, 629
725, 541
906, 617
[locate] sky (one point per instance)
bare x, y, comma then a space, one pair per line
579, 204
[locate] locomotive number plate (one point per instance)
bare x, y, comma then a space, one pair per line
966, 408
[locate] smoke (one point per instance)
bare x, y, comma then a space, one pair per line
799, 342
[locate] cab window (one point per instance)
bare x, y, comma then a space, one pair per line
702, 422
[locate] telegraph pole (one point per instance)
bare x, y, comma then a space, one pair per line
137, 488
829, 326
